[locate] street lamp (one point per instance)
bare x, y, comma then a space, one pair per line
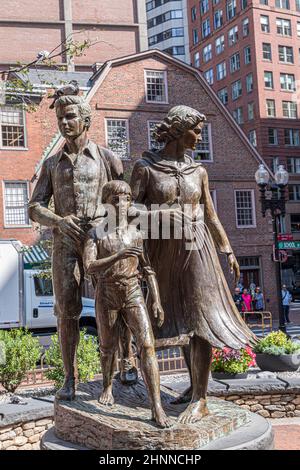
276, 206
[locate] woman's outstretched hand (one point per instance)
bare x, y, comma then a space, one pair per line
234, 267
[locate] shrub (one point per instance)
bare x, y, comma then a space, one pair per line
276, 343
232, 361
88, 359
22, 352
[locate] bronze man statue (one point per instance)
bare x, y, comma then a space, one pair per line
74, 177
194, 293
114, 258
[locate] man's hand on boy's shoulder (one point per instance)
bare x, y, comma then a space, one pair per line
131, 251
158, 313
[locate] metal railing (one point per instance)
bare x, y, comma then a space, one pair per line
262, 320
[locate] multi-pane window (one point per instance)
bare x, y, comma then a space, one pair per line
220, 44
194, 13
297, 2
236, 89
12, 127
264, 2
156, 86
218, 19
275, 164
252, 137
294, 192
250, 111
204, 6
271, 109
272, 136
244, 4
245, 27
235, 62
206, 28
152, 142
268, 78
207, 53
16, 203
195, 36
204, 151
283, 4
175, 50
289, 109
169, 15
247, 55
169, 33
209, 75
231, 9
286, 54
293, 165
233, 35
238, 115
249, 82
244, 207
295, 222
298, 29
264, 23
223, 95
221, 70
117, 137
283, 27
287, 81
267, 51
197, 59
291, 137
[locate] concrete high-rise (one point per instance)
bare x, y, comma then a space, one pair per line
248, 50
167, 24
29, 26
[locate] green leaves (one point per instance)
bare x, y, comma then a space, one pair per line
88, 359
276, 343
22, 352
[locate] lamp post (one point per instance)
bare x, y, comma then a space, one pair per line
276, 206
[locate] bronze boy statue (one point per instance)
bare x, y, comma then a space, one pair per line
113, 259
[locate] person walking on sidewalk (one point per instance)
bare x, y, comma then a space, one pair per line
286, 301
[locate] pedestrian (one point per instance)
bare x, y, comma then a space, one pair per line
286, 301
247, 301
237, 298
259, 300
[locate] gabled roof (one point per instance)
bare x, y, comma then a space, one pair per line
99, 76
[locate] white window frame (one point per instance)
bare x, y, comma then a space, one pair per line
5, 224
2, 147
220, 43
156, 121
221, 66
126, 120
208, 124
253, 208
165, 85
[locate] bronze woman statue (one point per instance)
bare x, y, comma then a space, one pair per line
194, 293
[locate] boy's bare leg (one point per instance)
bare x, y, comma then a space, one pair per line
138, 322
186, 395
108, 338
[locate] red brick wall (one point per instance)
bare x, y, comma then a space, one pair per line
104, 11
30, 10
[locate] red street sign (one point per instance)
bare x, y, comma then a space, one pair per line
285, 237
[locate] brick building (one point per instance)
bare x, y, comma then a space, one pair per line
149, 84
30, 26
248, 50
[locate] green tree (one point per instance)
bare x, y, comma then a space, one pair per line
88, 359
22, 352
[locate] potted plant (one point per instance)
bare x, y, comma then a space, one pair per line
229, 363
277, 353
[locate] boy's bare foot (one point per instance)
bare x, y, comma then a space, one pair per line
194, 412
106, 398
184, 397
160, 417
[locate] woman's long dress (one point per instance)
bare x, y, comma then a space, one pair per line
194, 293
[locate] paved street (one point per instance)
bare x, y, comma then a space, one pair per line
293, 329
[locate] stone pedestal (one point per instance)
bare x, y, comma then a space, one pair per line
127, 424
